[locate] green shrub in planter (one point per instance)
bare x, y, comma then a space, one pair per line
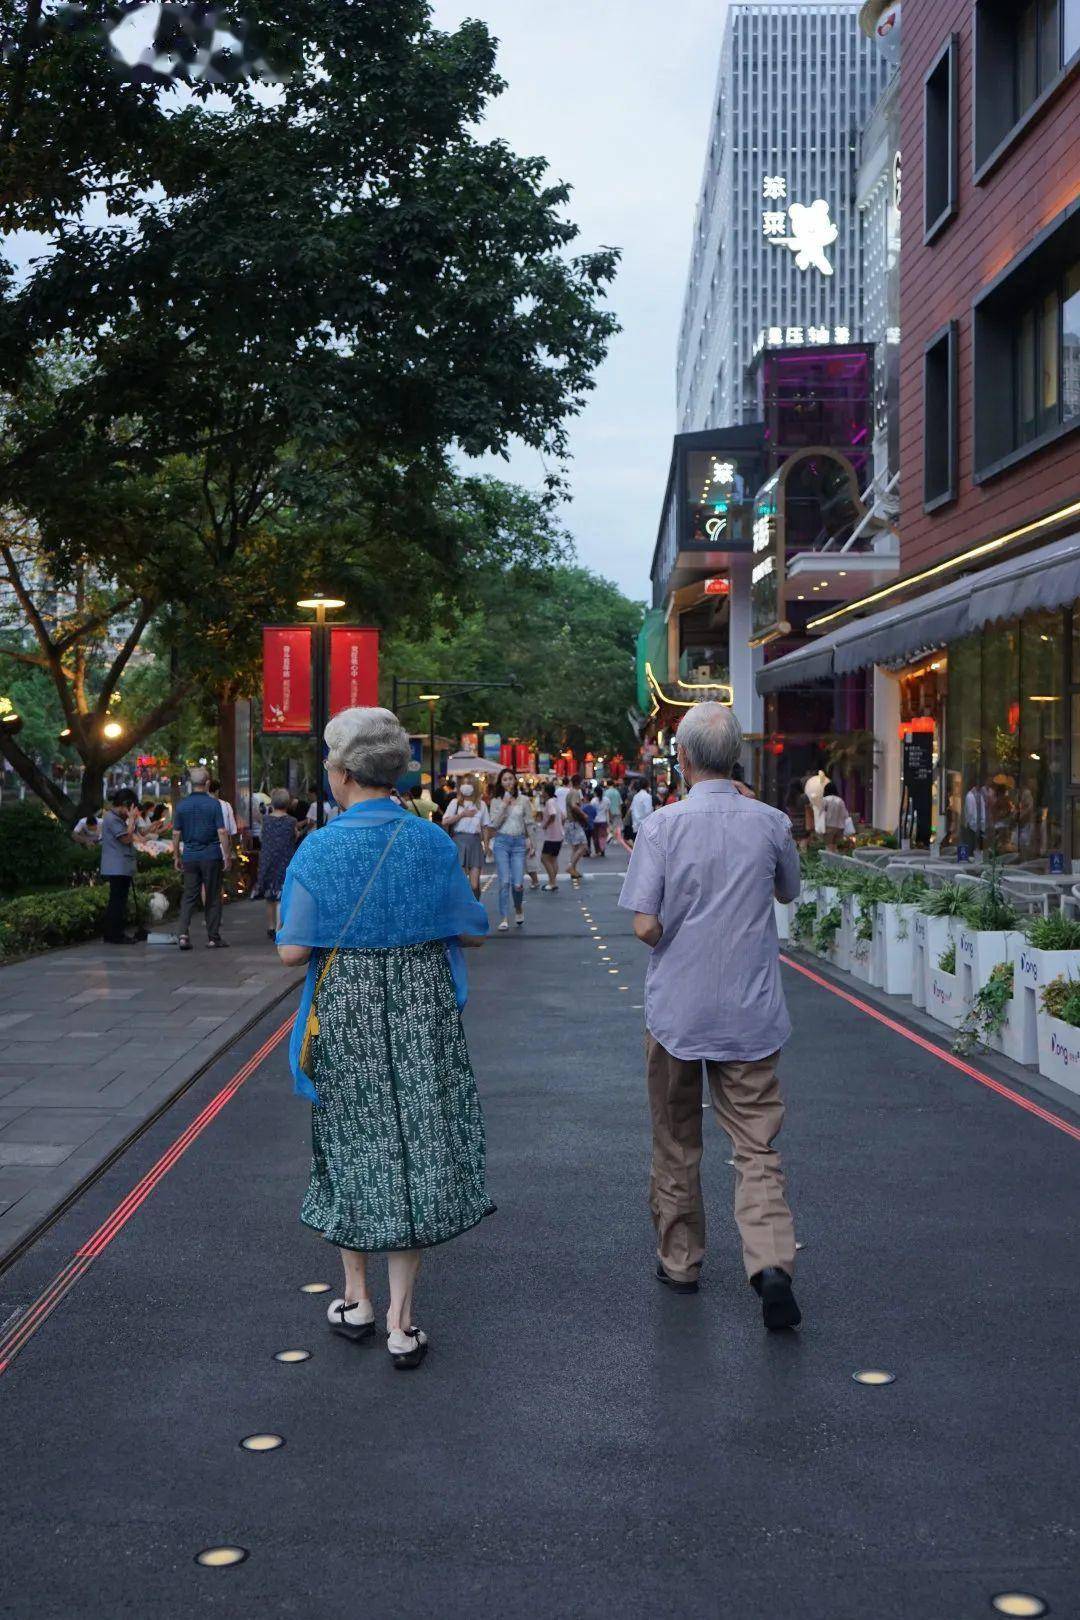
1061, 1000
1054, 933
827, 929
985, 1018
804, 921
947, 959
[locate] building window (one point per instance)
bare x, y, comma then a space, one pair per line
939, 419
1022, 53
1026, 342
940, 140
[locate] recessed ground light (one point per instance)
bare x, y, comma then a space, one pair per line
799, 1246
873, 1375
315, 1288
262, 1442
612, 970
624, 987
220, 1557
1018, 1603
290, 1356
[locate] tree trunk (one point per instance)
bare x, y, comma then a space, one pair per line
52, 796
91, 789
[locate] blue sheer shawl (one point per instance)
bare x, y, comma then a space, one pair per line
420, 893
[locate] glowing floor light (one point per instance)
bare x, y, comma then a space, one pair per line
262, 1442
1018, 1603
220, 1557
874, 1376
290, 1356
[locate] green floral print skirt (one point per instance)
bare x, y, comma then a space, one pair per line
398, 1132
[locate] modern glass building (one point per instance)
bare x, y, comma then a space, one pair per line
776, 259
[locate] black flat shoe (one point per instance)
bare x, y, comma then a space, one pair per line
406, 1360
778, 1307
673, 1283
349, 1321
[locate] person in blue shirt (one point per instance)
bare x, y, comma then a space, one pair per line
199, 828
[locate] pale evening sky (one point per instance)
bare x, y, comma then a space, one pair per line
616, 94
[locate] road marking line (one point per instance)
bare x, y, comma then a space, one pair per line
25, 1326
937, 1051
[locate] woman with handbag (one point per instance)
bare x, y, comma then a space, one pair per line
576, 834
378, 905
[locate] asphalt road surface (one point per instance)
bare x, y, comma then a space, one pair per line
579, 1441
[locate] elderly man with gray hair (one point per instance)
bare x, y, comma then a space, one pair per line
701, 884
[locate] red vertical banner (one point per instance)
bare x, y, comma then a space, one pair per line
287, 680
354, 668
506, 754
523, 760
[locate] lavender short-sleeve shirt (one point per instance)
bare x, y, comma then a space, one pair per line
710, 868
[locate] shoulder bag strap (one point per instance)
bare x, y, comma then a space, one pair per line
352, 916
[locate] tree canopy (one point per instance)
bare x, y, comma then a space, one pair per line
566, 635
266, 322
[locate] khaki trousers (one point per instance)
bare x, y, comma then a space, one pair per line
746, 1097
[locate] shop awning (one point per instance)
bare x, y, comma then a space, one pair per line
1040, 580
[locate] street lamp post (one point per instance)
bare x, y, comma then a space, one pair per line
431, 698
481, 729
320, 686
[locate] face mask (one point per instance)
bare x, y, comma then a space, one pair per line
467, 790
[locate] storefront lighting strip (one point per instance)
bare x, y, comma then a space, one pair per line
987, 548
687, 686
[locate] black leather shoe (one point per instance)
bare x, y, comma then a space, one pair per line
673, 1283
778, 1307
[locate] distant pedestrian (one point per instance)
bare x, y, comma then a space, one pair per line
87, 831
199, 828
279, 837
465, 818
511, 816
601, 818
575, 829
377, 905
118, 832
552, 826
642, 806
422, 802
701, 884
214, 789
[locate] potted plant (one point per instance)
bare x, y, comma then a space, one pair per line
1059, 1032
987, 933
825, 938
894, 940
1050, 950
804, 922
991, 1019
943, 1000
934, 928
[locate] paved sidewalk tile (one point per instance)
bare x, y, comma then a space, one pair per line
94, 1041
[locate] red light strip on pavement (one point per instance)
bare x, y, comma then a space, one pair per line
936, 1051
24, 1329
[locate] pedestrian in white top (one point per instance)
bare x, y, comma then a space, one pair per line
465, 818
641, 807
510, 814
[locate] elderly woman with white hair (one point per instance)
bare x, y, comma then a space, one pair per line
378, 905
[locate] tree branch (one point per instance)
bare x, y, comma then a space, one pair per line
119, 663
35, 779
96, 621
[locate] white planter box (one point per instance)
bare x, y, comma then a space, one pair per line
894, 947
862, 954
1059, 1050
943, 1000
1034, 971
785, 916
931, 936
978, 953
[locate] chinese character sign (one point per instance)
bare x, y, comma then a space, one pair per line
806, 229
287, 680
354, 668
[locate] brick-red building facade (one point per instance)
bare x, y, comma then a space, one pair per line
995, 220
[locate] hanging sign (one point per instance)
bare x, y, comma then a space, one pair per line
354, 668
287, 680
